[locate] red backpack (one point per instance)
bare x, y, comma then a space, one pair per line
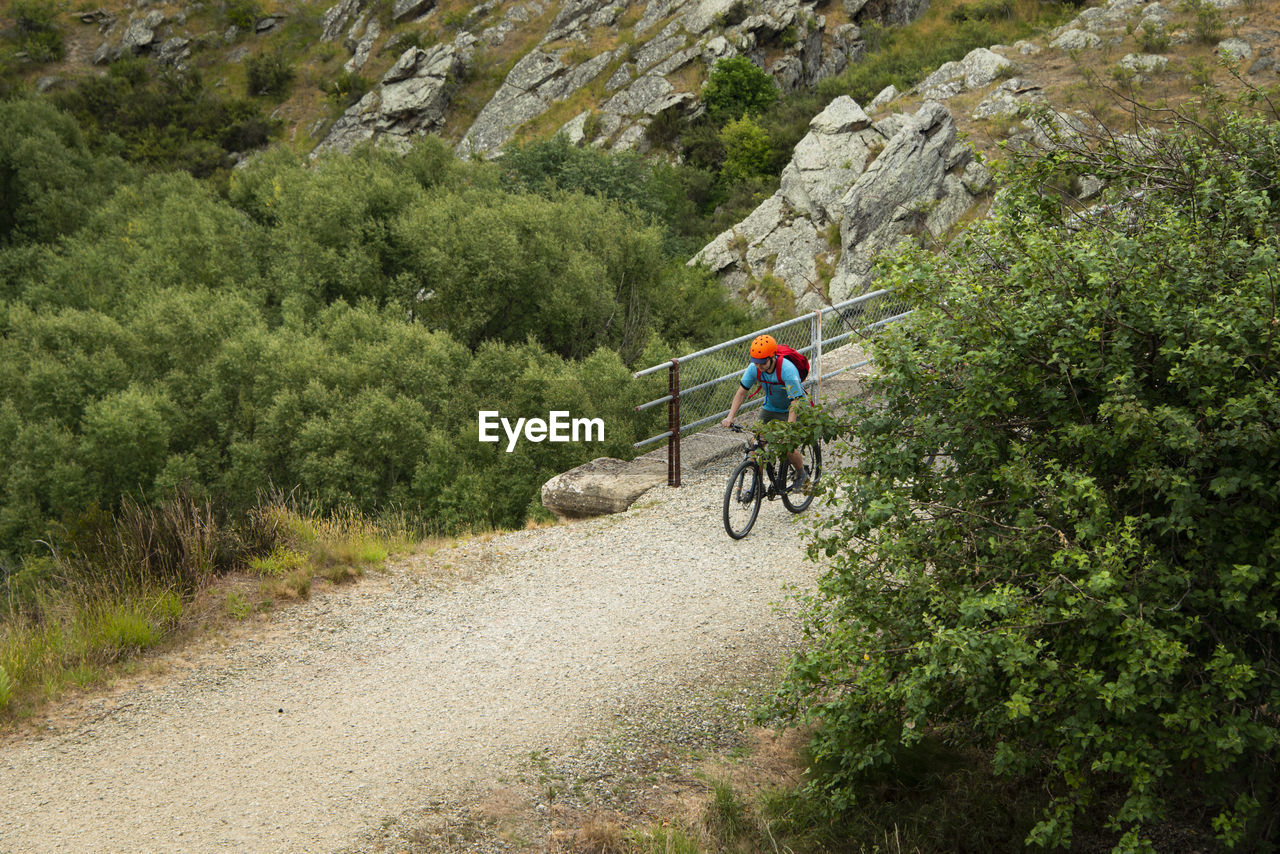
795, 357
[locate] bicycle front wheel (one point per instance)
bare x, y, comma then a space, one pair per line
742, 499
798, 501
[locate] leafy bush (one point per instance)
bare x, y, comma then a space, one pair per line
737, 87
268, 74
332, 327
166, 121
347, 88
747, 151
1058, 540
243, 14
38, 34
53, 181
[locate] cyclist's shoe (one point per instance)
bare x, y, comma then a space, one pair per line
746, 496
803, 484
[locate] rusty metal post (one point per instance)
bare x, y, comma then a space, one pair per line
673, 424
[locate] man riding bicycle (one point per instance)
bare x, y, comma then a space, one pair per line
783, 392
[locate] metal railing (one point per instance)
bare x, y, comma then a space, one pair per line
693, 397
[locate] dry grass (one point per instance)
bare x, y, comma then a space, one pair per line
1085, 80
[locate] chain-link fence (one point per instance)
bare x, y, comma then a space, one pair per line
697, 395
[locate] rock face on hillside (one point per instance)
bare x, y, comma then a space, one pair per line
642, 79
410, 101
873, 184
663, 48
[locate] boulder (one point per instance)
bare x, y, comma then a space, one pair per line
1076, 40
840, 144
910, 190
410, 101
604, 485
1008, 98
979, 68
1144, 63
141, 32
405, 10
886, 95
786, 236
1234, 50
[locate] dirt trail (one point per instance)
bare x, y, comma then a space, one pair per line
436, 679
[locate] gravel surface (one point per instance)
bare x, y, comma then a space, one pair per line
320, 727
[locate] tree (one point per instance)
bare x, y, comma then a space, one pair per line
1060, 539
49, 179
738, 87
747, 151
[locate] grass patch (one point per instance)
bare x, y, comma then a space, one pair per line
124, 583
664, 840
947, 31
76, 642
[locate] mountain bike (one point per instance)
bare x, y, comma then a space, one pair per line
746, 487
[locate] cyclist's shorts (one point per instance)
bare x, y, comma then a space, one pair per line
766, 416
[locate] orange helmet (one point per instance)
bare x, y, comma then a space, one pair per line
762, 348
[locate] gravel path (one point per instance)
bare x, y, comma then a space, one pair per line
439, 677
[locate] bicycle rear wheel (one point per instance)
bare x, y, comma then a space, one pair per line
811, 456
742, 499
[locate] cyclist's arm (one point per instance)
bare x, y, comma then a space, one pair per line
749, 379
733, 408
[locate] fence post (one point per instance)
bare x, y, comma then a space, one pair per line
673, 424
816, 331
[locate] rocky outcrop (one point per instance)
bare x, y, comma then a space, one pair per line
787, 236
604, 485
786, 37
536, 82
873, 183
979, 69
410, 101
915, 188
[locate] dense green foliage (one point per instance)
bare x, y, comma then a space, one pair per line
738, 87
163, 119
1060, 539
49, 180
331, 328
673, 196
36, 31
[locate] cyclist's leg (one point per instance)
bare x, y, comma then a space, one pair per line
794, 459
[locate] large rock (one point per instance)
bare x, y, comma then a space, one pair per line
914, 189
785, 237
604, 485
979, 69
141, 32
409, 102
840, 143
338, 18
537, 81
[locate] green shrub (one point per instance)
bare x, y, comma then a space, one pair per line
1058, 540
737, 87
1207, 22
37, 30
1153, 39
243, 14
747, 151
347, 88
269, 74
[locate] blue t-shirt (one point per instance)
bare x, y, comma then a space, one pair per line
778, 391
